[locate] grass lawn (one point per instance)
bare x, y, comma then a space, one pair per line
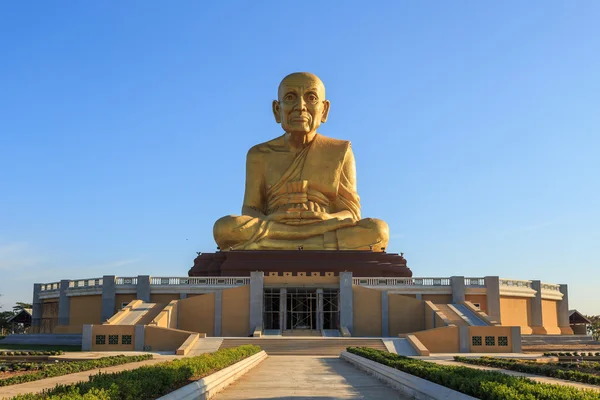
38, 347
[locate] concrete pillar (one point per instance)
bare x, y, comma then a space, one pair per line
320, 314
492, 286
346, 301
109, 292
457, 283
218, 312
282, 308
138, 344
143, 288
36, 313
464, 339
515, 332
385, 327
562, 310
86, 338
64, 303
419, 296
182, 296
535, 310
256, 299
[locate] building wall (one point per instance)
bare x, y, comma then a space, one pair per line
438, 298
367, 311
514, 311
164, 298
49, 315
301, 280
481, 299
405, 314
197, 314
440, 340
550, 317
123, 298
86, 310
113, 330
164, 339
235, 316
492, 331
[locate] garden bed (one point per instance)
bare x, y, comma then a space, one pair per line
147, 382
474, 382
584, 372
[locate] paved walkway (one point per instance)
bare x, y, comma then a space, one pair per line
537, 378
307, 377
49, 383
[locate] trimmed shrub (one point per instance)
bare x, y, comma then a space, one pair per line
477, 383
147, 382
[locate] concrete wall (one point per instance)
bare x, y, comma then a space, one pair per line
197, 314
164, 339
406, 314
438, 298
114, 330
86, 310
492, 331
49, 318
123, 298
163, 298
478, 298
366, 304
514, 311
235, 316
550, 317
440, 340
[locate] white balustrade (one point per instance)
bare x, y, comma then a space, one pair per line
478, 282
85, 283
551, 286
199, 281
399, 282
50, 286
515, 283
126, 280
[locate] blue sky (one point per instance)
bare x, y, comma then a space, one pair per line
475, 125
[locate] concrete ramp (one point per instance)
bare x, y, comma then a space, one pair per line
142, 314
205, 345
400, 346
451, 315
469, 316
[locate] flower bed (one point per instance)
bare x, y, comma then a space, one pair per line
42, 371
586, 372
148, 382
476, 383
31, 353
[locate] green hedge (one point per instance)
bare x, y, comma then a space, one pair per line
147, 382
487, 385
31, 353
560, 371
70, 367
573, 354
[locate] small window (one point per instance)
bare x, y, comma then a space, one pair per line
126, 339
490, 341
478, 305
124, 304
477, 341
502, 340
100, 339
113, 339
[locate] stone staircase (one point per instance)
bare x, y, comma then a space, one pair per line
555, 340
320, 346
451, 315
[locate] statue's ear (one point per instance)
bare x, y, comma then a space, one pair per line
325, 111
277, 111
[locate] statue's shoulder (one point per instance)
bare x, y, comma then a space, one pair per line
276, 144
331, 143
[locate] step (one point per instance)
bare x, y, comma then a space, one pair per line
301, 346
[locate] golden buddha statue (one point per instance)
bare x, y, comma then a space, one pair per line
301, 186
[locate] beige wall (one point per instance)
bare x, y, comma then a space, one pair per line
86, 310
478, 298
494, 331
163, 298
197, 314
367, 311
164, 339
514, 311
550, 317
235, 316
123, 298
440, 340
71, 329
108, 330
405, 314
438, 298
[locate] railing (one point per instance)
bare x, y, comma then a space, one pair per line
401, 281
515, 283
477, 282
50, 286
192, 281
551, 286
126, 280
85, 283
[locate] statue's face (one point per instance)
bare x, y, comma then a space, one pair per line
301, 106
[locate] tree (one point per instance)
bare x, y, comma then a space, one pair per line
594, 327
20, 306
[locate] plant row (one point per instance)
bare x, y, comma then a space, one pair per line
31, 353
477, 383
147, 382
70, 367
573, 354
551, 370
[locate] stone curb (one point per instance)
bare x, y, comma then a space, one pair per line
409, 385
208, 387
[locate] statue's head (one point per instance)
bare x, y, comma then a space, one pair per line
301, 106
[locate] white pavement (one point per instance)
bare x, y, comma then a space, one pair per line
307, 377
